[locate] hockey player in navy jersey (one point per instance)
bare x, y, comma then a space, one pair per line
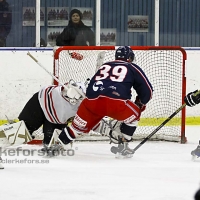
109, 94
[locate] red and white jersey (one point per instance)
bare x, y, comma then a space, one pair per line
55, 106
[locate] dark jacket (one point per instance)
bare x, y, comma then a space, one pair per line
76, 35
5, 19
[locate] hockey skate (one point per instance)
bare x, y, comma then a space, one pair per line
196, 153
53, 150
122, 150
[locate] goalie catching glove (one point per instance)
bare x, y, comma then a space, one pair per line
192, 98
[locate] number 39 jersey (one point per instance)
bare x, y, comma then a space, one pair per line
115, 80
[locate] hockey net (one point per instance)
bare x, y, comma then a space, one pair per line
164, 67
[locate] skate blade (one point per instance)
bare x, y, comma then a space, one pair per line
194, 157
120, 156
51, 154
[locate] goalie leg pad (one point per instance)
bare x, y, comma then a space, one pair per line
110, 128
105, 126
121, 129
15, 133
115, 129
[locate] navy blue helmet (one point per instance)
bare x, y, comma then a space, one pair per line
124, 53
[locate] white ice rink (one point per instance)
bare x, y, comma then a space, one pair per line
157, 171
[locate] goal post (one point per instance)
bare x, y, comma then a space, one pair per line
164, 67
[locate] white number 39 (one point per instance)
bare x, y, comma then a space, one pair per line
117, 73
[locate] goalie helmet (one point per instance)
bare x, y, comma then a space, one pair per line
124, 53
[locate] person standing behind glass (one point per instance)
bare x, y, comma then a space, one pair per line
5, 22
76, 33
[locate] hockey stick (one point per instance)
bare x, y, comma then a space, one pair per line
159, 127
9, 120
115, 149
82, 94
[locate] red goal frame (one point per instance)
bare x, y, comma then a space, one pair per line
143, 48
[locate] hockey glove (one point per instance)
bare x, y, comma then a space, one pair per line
140, 104
191, 99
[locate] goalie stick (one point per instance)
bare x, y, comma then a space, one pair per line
10, 122
56, 79
1, 166
116, 150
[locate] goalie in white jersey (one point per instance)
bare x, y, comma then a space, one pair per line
52, 107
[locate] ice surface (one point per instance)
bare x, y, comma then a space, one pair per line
157, 171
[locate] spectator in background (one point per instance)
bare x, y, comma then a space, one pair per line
76, 33
5, 22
